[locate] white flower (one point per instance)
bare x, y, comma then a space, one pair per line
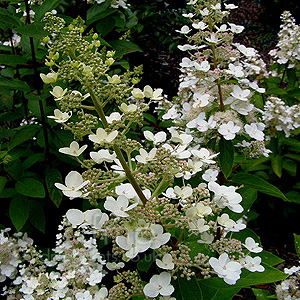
137, 93
206, 238
95, 277
292, 270
101, 136
199, 225
205, 156
229, 130
200, 100
101, 294
252, 246
183, 138
200, 25
115, 116
236, 71
159, 285
166, 263
58, 92
254, 131
49, 78
203, 66
103, 155
222, 28
179, 152
186, 47
210, 175
204, 12
247, 51
236, 28
230, 6
61, 117
145, 157
157, 138
115, 79
240, 94
184, 29
155, 95
126, 189
225, 268
255, 86
171, 113
216, 7
253, 264
93, 217
132, 244
73, 149
118, 207
225, 221
84, 296
183, 192
159, 238
126, 109
170, 193
226, 196
74, 182
114, 266
213, 39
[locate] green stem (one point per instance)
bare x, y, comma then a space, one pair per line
158, 187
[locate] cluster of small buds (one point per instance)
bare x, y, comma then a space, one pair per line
128, 284
289, 289
287, 48
201, 262
232, 246
253, 149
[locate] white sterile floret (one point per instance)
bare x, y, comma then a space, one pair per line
236, 71
182, 138
171, 113
200, 25
179, 151
158, 237
225, 268
225, 221
187, 63
230, 6
236, 28
58, 92
200, 100
114, 266
229, 130
102, 137
247, 51
119, 207
49, 78
103, 155
204, 155
93, 217
155, 95
254, 131
253, 264
61, 117
255, 86
114, 116
222, 28
292, 270
83, 296
240, 94
237, 226
186, 47
73, 149
102, 294
166, 263
226, 196
115, 79
206, 238
157, 138
132, 244
145, 157
183, 192
252, 246
216, 7
213, 39
210, 175
137, 93
204, 12
169, 193
159, 285
189, 15
74, 183
184, 29
198, 225
203, 66
126, 109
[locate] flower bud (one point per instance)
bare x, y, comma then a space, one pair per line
95, 36
110, 53
46, 39
109, 61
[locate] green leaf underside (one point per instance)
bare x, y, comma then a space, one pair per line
30, 187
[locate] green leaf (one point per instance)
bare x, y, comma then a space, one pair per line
123, 47
290, 166
14, 84
52, 176
37, 216
262, 294
226, 156
187, 289
23, 134
293, 196
47, 5
249, 196
97, 12
293, 156
269, 258
145, 263
3, 181
8, 19
8, 193
211, 291
105, 26
15, 169
32, 159
19, 211
276, 91
35, 30
12, 60
259, 184
30, 187
297, 243
276, 163
150, 118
